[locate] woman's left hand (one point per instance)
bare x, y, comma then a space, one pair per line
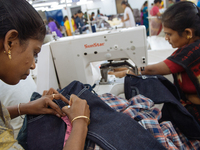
44, 105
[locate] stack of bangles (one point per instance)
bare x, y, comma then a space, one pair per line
81, 117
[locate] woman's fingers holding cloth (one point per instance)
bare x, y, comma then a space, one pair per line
55, 109
50, 92
78, 107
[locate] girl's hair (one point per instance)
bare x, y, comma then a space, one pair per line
182, 15
156, 1
21, 16
127, 4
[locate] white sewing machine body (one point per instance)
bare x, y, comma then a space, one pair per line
69, 58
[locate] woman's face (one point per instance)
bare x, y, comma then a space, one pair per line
123, 6
23, 59
174, 38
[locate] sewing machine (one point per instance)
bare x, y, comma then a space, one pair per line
72, 58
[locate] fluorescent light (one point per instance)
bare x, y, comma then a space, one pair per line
41, 8
68, 1
56, 7
63, 5
84, 2
45, 4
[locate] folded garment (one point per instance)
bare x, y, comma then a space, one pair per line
141, 108
160, 90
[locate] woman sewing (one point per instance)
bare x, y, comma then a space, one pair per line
181, 26
22, 32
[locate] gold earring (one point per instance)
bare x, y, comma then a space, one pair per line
9, 54
189, 37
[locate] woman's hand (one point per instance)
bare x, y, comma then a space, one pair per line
193, 98
78, 107
41, 105
120, 72
50, 92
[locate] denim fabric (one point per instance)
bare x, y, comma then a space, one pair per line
110, 129
42, 131
45, 132
22, 135
160, 90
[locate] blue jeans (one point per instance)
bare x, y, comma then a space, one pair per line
42, 131
160, 90
109, 129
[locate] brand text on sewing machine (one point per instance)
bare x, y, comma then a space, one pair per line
94, 45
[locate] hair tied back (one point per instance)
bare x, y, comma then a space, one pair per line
196, 10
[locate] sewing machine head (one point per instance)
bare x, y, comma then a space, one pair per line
72, 55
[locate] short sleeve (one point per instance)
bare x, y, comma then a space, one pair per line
154, 11
174, 68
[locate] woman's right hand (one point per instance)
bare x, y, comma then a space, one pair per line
78, 107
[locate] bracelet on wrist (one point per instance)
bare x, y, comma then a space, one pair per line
81, 117
127, 72
18, 108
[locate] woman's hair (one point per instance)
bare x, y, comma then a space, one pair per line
182, 15
21, 16
145, 3
127, 4
156, 1
124, 3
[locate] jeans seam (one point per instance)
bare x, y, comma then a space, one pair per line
81, 92
102, 140
34, 119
